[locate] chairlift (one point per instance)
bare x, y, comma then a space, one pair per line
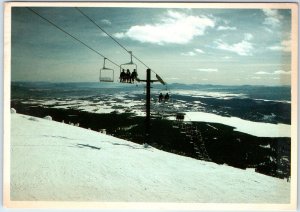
127, 71
164, 97
106, 74
180, 117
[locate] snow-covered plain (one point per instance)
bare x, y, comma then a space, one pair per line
259, 129
196, 110
52, 161
208, 94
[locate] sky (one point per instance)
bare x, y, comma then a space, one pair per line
191, 46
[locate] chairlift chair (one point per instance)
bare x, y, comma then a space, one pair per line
180, 117
166, 94
106, 74
128, 66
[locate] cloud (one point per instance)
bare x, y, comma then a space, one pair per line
272, 17
285, 46
103, 34
172, 78
278, 72
223, 28
119, 35
262, 72
188, 53
207, 69
199, 51
193, 53
256, 78
282, 72
242, 48
175, 27
106, 21
275, 48
248, 36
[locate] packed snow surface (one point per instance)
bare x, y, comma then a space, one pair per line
53, 161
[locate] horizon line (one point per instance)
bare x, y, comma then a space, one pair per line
206, 84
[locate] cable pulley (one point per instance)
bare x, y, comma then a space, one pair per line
160, 79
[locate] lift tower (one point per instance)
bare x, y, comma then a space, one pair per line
148, 98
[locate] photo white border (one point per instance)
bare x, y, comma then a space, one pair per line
156, 206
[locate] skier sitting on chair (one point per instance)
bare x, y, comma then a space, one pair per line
122, 76
167, 97
133, 75
128, 79
160, 97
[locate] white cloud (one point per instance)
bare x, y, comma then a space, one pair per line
106, 21
103, 34
256, 78
282, 72
275, 48
172, 78
188, 53
262, 72
248, 36
207, 69
199, 51
193, 53
278, 72
223, 28
175, 27
272, 17
285, 46
119, 35
242, 48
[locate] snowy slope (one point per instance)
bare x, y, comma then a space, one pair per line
56, 161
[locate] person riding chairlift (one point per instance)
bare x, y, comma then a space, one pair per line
133, 75
128, 76
123, 76
160, 97
167, 97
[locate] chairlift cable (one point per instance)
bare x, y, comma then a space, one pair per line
113, 38
50, 22
91, 20
110, 36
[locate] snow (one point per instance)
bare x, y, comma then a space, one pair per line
208, 94
258, 129
265, 146
52, 161
280, 101
100, 107
13, 111
48, 118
